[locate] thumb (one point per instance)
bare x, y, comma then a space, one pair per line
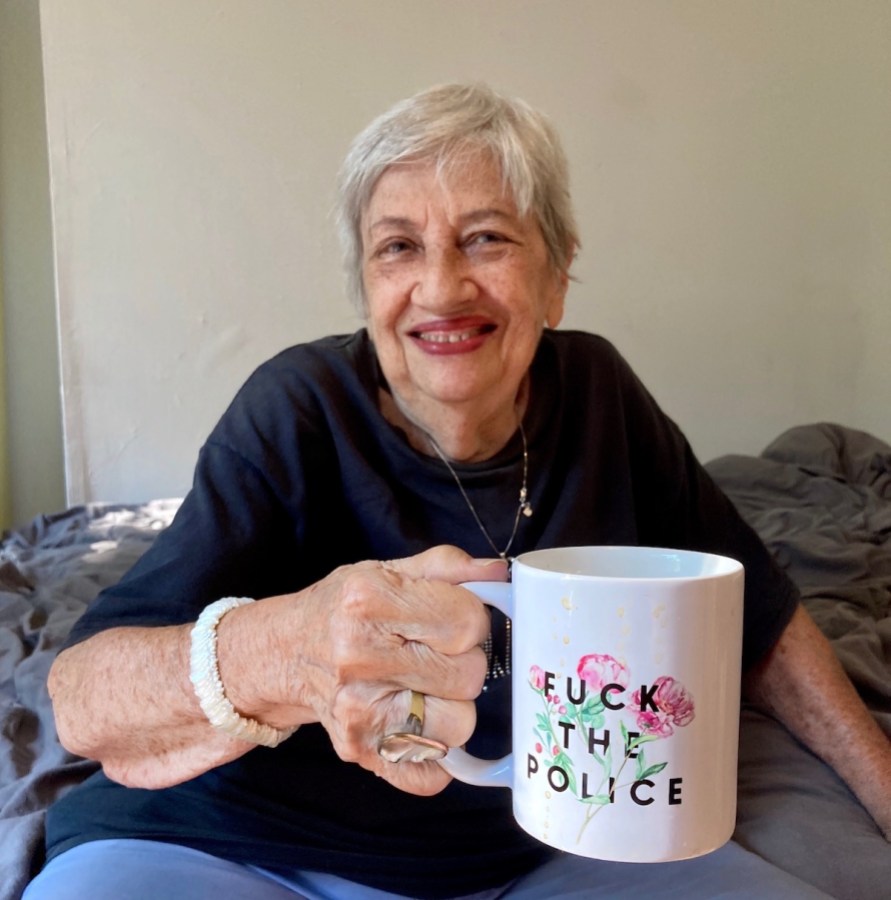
449, 564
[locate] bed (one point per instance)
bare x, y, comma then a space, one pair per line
49, 572
819, 496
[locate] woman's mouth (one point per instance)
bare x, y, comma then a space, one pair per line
448, 337
452, 337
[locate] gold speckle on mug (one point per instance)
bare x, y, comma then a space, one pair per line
620, 612
548, 795
566, 603
657, 612
565, 638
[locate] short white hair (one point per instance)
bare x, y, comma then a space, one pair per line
444, 124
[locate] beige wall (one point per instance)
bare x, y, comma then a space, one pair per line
29, 374
730, 168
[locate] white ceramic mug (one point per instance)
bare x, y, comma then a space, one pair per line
626, 678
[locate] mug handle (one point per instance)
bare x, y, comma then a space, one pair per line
458, 763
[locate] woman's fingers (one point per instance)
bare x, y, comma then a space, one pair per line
459, 677
417, 599
428, 608
406, 631
365, 637
357, 728
448, 563
424, 778
451, 722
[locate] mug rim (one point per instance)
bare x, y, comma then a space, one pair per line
730, 566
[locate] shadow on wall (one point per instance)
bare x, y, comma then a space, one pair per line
31, 458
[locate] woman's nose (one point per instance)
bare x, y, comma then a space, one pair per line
445, 280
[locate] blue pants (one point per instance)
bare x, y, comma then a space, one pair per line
150, 870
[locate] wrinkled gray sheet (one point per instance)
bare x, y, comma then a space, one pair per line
820, 496
49, 572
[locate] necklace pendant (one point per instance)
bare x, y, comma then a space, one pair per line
524, 506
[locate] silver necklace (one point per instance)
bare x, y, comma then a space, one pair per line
496, 667
524, 507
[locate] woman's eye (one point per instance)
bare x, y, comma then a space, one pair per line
394, 248
487, 240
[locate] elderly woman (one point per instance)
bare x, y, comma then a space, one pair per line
353, 484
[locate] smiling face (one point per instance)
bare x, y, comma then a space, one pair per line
458, 288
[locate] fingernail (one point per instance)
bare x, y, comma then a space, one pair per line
487, 562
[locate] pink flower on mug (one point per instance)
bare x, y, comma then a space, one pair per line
601, 669
673, 704
537, 678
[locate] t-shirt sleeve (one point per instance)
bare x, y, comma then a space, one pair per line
227, 539
242, 529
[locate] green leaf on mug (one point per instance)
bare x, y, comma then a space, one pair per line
643, 739
592, 711
641, 766
565, 763
597, 799
651, 771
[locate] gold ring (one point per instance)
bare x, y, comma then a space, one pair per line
409, 745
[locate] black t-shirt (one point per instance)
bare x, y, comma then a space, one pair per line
303, 474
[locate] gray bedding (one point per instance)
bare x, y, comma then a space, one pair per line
49, 572
820, 496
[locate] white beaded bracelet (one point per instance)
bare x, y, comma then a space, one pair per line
204, 673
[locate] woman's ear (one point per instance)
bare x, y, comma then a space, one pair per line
554, 313
557, 304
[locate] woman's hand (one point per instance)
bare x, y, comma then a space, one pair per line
348, 650
345, 652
